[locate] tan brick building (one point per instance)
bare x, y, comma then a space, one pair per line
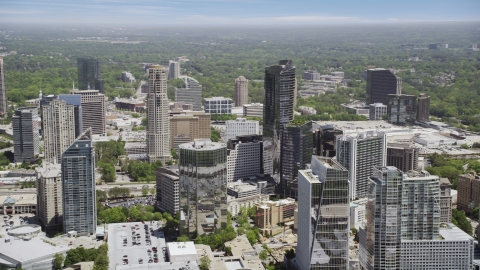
270, 213
468, 196
195, 125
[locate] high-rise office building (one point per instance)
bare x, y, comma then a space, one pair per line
402, 156
158, 122
380, 83
26, 141
403, 225
173, 69
280, 99
3, 90
296, 152
49, 196
240, 126
167, 196
445, 201
241, 91
253, 109
191, 93
203, 191
89, 75
58, 129
76, 101
423, 112
93, 110
323, 212
244, 157
402, 109
468, 192
78, 178
359, 153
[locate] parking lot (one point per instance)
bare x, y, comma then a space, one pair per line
136, 243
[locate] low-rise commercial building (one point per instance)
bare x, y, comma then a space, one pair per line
377, 111
236, 204
239, 127
18, 204
135, 148
181, 251
218, 105
253, 110
128, 104
271, 213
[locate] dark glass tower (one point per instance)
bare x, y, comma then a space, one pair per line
296, 152
89, 75
78, 178
280, 98
380, 83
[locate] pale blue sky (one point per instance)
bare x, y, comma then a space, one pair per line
239, 12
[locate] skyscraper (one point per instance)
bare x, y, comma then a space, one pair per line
423, 112
58, 129
203, 190
383, 228
295, 153
359, 153
93, 110
191, 93
25, 124
240, 126
402, 156
380, 83
78, 178
158, 123
76, 101
89, 75
402, 109
244, 157
241, 91
3, 90
49, 196
323, 212
173, 69
280, 98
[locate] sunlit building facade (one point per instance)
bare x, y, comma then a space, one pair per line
323, 212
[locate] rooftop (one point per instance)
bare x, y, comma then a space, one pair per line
217, 98
453, 233
202, 144
20, 199
49, 170
241, 186
181, 248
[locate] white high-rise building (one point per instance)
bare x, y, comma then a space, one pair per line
323, 214
58, 129
173, 69
3, 90
359, 153
158, 122
241, 91
244, 157
241, 126
377, 111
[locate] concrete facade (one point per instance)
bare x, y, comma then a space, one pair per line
58, 129
241, 126
49, 196
158, 123
241, 91
195, 125
93, 110
468, 192
168, 198
244, 157
253, 110
218, 105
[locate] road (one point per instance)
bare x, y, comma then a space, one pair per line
139, 90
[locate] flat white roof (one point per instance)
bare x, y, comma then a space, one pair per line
181, 248
453, 233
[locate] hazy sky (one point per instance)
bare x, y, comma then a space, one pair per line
236, 12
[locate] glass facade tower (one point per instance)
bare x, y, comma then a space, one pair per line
280, 98
323, 212
203, 187
78, 178
89, 75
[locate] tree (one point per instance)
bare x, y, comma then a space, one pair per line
461, 221
263, 255
228, 251
153, 191
183, 238
108, 172
464, 146
214, 134
144, 191
474, 215
173, 152
205, 263
101, 195
58, 260
157, 216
